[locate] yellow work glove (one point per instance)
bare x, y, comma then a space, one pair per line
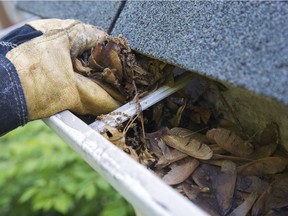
46, 73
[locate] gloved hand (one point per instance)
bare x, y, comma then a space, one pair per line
46, 73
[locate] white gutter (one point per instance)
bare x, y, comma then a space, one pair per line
145, 191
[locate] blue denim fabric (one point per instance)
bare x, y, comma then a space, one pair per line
17, 37
13, 108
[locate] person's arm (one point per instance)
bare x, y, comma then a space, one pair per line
13, 110
36, 72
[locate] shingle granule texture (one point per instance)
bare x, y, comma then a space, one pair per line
244, 43
99, 13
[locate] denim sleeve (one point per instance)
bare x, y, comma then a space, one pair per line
13, 109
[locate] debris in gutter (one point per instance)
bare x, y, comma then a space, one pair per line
185, 141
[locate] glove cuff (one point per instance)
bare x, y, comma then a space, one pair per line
13, 107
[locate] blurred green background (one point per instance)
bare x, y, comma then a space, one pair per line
41, 175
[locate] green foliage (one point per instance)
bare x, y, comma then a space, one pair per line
41, 175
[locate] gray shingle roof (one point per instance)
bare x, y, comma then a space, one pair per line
244, 43
99, 13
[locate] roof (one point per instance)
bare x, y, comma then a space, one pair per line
243, 43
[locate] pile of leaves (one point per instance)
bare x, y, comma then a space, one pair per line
207, 158
114, 67
219, 169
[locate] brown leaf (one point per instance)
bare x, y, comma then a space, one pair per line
146, 158
263, 166
118, 138
279, 193
189, 146
201, 178
270, 134
207, 201
274, 197
109, 76
175, 121
158, 113
224, 186
245, 207
170, 156
192, 191
269, 142
141, 76
78, 67
251, 184
95, 56
154, 143
185, 133
180, 171
115, 63
229, 141
231, 158
203, 113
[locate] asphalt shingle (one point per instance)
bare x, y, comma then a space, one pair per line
244, 43
99, 13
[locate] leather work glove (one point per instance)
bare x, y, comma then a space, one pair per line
45, 70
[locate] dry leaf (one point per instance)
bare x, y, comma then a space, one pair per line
245, 207
208, 203
201, 178
180, 171
189, 146
155, 143
251, 184
229, 141
263, 166
146, 158
169, 156
78, 67
269, 142
175, 121
158, 114
115, 63
192, 191
274, 197
200, 113
185, 133
232, 158
118, 138
270, 134
94, 57
224, 186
